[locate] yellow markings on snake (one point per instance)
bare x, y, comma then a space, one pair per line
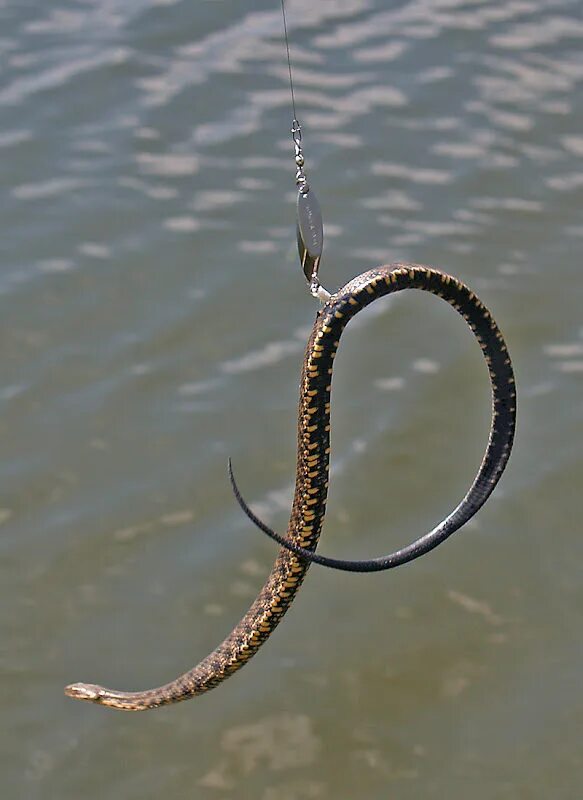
309, 502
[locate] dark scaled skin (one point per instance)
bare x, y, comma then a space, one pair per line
339, 310
311, 489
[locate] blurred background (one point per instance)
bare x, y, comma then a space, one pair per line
153, 318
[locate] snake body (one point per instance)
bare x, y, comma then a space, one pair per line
311, 488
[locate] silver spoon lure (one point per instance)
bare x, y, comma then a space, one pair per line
309, 227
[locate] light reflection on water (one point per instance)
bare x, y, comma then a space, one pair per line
153, 324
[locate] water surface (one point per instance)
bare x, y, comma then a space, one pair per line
153, 318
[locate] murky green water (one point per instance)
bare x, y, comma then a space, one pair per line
153, 319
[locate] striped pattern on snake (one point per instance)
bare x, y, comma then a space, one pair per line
309, 503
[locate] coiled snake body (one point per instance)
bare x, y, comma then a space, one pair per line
309, 503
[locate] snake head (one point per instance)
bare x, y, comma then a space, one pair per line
84, 691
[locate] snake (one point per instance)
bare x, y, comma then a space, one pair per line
311, 485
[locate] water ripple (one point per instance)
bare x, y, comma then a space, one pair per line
57, 77
154, 318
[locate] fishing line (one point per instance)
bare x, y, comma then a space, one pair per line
309, 226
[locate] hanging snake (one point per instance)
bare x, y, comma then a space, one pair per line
311, 488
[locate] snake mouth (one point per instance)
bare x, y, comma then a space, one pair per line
84, 691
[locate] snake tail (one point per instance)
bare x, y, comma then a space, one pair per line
335, 315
